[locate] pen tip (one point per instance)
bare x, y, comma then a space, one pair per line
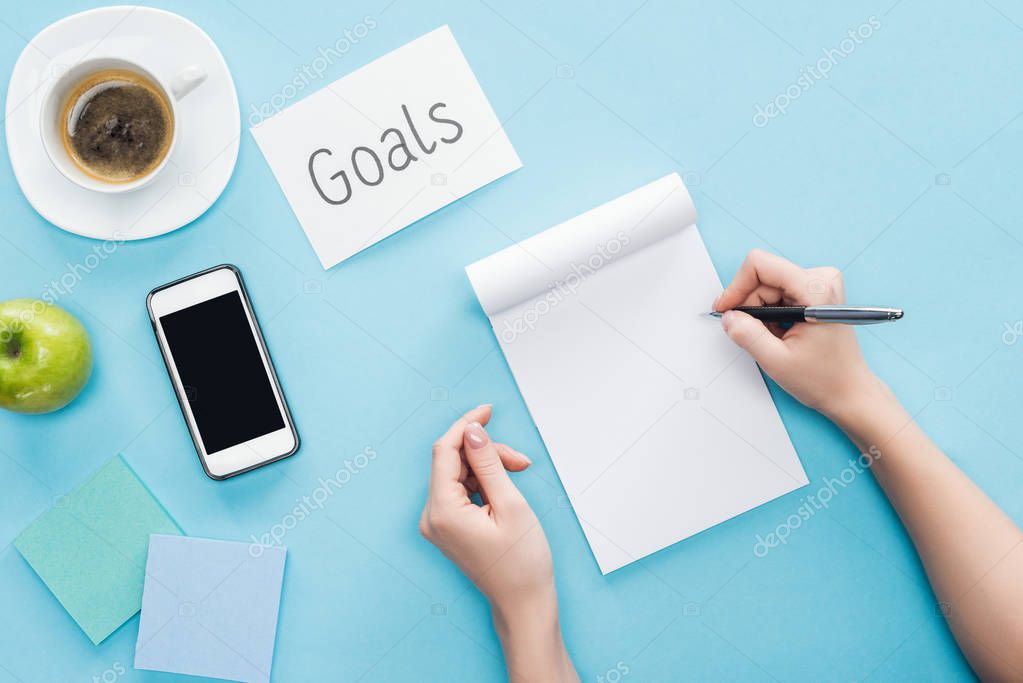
712, 314
897, 315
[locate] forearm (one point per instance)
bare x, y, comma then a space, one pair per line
530, 634
972, 551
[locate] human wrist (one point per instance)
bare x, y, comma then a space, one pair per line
870, 413
533, 611
531, 639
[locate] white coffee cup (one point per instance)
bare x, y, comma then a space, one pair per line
50, 123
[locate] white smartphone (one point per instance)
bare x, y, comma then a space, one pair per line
221, 370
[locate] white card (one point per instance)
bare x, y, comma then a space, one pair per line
385, 146
658, 425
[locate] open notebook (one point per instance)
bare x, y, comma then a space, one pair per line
659, 427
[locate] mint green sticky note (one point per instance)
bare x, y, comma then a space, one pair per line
90, 547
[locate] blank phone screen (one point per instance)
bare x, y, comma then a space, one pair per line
226, 384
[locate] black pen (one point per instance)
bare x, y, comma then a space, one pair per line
849, 315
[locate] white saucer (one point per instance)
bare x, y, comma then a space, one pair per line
209, 123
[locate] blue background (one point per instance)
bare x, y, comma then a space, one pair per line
901, 168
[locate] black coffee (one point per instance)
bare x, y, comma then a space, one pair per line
117, 125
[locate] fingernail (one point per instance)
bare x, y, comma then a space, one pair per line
714, 306
476, 435
726, 319
483, 405
525, 457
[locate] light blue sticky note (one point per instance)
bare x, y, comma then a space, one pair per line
90, 548
209, 608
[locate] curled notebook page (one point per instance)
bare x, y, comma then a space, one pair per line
569, 251
659, 427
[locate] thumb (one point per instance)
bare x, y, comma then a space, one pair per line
752, 335
485, 462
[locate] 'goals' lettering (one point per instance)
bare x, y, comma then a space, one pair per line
368, 166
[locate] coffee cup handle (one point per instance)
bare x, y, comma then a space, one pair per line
187, 80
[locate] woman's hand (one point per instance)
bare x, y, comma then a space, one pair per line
972, 551
821, 365
499, 545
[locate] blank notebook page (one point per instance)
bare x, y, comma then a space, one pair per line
658, 425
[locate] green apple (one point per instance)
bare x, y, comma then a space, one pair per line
45, 356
